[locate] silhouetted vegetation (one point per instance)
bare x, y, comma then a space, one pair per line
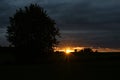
87, 51
31, 27
32, 32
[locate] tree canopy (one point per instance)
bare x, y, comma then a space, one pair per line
31, 27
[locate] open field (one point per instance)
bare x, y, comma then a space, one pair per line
68, 71
102, 66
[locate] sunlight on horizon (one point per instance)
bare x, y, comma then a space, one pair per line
72, 49
68, 51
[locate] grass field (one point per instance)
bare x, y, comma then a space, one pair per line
104, 66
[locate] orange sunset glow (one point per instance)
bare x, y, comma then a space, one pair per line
68, 50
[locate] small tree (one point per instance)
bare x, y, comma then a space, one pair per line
87, 50
31, 27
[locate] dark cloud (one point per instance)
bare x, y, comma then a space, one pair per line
95, 22
92, 38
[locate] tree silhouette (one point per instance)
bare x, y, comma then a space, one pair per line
31, 27
87, 50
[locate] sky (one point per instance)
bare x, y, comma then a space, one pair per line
93, 23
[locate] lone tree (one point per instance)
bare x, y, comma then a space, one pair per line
31, 27
89, 50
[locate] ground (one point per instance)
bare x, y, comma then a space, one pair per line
60, 72
106, 68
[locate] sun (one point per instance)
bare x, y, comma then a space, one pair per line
68, 51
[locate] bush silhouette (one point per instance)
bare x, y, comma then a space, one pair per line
31, 27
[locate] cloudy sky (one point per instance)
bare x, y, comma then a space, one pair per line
82, 22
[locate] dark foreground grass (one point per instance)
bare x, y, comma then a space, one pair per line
68, 71
72, 67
